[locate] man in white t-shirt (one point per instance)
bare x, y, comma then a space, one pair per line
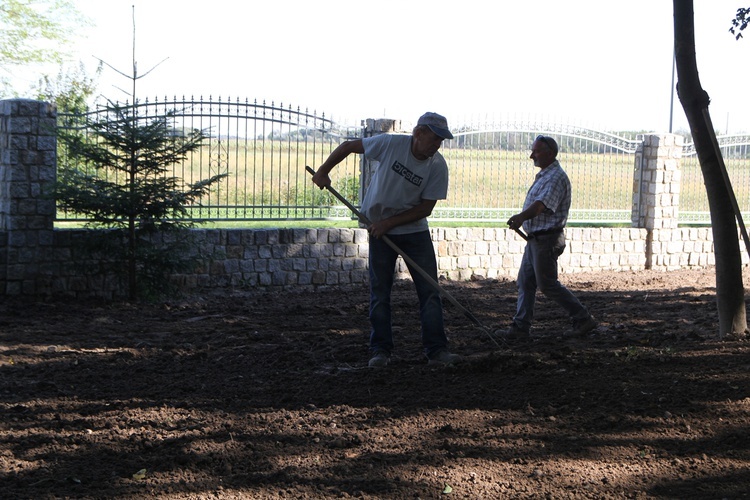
409, 179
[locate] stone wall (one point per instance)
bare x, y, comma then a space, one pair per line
315, 257
278, 259
36, 259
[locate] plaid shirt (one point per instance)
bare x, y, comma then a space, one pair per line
552, 187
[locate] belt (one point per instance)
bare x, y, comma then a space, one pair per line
546, 231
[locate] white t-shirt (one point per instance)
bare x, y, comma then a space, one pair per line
400, 181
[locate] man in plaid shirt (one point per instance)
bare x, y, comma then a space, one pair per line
544, 215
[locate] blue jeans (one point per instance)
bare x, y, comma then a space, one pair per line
418, 246
539, 270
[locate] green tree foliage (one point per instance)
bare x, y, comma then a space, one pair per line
740, 22
117, 176
34, 31
70, 90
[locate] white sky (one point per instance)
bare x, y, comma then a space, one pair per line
588, 62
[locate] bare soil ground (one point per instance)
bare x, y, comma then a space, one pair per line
250, 395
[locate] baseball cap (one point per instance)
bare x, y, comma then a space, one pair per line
437, 124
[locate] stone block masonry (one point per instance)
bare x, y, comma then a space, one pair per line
27, 165
312, 259
279, 258
283, 258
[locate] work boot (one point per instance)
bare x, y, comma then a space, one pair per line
513, 333
379, 360
443, 358
581, 327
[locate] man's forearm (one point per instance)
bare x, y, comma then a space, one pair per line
420, 211
321, 178
416, 213
535, 209
340, 153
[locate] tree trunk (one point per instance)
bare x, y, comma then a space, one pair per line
730, 295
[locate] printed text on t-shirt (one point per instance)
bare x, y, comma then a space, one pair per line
407, 174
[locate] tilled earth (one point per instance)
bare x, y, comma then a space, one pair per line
268, 395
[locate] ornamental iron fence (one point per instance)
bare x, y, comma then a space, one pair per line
264, 148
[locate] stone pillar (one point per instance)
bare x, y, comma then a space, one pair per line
27, 167
656, 193
375, 127
656, 183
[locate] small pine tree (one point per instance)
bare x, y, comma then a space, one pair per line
118, 178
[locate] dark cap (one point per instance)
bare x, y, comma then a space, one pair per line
437, 124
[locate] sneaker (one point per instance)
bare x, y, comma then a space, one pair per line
513, 333
443, 358
380, 359
581, 327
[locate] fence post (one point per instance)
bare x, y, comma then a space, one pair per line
656, 186
28, 146
374, 127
